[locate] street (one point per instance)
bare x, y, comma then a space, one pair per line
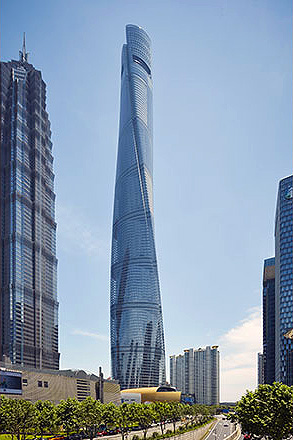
221, 430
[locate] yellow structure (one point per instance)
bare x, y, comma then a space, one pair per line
151, 394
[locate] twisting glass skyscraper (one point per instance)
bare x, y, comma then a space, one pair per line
137, 336
28, 295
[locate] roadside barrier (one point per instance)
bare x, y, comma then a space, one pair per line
235, 435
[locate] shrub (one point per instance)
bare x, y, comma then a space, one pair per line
155, 434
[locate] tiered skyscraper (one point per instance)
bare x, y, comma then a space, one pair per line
137, 336
28, 296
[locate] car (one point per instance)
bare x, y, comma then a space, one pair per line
226, 425
247, 436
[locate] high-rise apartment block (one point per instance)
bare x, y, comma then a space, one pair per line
196, 373
269, 321
28, 296
137, 336
284, 283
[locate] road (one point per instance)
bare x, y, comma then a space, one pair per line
139, 433
168, 426
221, 430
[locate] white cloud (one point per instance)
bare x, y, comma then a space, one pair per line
239, 348
90, 335
77, 234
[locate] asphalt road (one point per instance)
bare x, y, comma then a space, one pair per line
140, 433
221, 430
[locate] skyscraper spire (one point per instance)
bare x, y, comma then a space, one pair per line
23, 54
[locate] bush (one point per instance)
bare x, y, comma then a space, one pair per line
155, 434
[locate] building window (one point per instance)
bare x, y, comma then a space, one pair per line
46, 385
40, 383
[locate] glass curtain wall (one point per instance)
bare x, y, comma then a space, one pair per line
137, 337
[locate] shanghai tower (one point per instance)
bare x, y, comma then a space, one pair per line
28, 295
137, 335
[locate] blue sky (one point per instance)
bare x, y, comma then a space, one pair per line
222, 141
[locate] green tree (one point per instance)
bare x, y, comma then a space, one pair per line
7, 422
195, 414
144, 415
68, 415
267, 412
124, 415
92, 416
45, 417
189, 413
161, 414
17, 416
204, 414
175, 412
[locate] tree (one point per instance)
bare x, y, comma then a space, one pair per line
175, 412
91, 414
267, 412
161, 413
144, 415
17, 416
45, 417
68, 415
7, 422
195, 414
189, 413
124, 415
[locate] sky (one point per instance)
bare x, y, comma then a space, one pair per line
222, 141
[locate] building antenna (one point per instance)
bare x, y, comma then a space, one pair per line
23, 54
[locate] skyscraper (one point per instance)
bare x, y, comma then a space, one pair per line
268, 296
137, 336
283, 282
260, 369
196, 373
28, 297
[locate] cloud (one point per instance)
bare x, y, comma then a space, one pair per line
239, 348
76, 233
90, 335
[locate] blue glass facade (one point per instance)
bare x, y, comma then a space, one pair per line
284, 291
137, 336
28, 297
269, 320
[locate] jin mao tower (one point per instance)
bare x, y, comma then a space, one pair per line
137, 336
28, 295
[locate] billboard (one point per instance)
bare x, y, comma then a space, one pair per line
130, 397
10, 382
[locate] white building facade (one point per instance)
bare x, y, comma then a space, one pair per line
196, 373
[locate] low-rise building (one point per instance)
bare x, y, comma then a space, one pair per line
55, 385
